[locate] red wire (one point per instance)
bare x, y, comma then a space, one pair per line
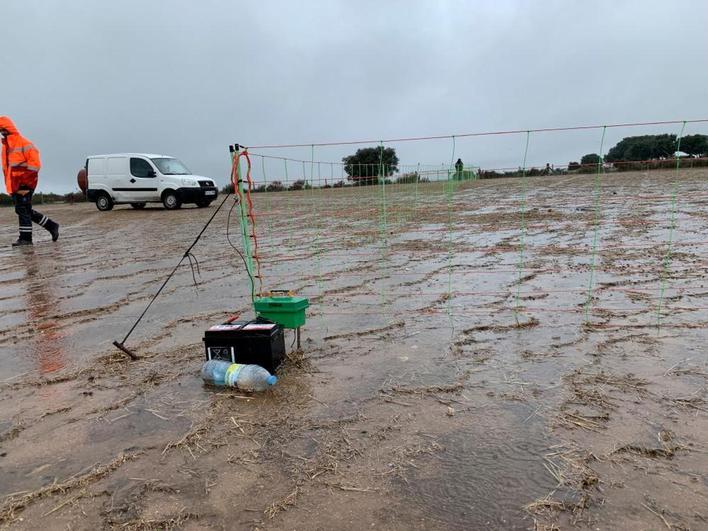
252, 215
235, 172
235, 180
433, 168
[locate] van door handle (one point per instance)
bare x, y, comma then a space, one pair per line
132, 180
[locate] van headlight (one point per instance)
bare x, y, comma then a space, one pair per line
189, 182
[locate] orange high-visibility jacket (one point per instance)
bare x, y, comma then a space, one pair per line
20, 159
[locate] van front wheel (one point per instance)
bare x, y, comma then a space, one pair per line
171, 201
104, 202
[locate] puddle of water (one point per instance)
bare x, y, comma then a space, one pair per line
487, 471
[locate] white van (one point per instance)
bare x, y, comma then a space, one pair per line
140, 178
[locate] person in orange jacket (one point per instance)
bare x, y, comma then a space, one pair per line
20, 164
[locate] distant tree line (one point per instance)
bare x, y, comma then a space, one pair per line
647, 152
40, 198
649, 147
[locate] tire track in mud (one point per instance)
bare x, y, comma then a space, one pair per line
13, 504
18, 427
363, 333
467, 336
431, 274
351, 289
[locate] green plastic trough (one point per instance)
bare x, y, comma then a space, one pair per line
289, 312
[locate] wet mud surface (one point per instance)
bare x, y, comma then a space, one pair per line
458, 371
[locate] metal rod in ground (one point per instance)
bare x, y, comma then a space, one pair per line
122, 347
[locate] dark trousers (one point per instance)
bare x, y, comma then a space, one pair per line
26, 215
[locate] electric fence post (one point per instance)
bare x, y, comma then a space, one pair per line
666, 262
449, 191
417, 181
288, 205
268, 200
522, 243
384, 221
317, 218
596, 224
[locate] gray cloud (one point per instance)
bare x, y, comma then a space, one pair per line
187, 78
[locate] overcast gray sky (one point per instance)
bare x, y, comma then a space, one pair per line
187, 78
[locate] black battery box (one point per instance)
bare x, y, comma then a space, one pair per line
259, 342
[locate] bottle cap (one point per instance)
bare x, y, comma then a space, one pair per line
272, 379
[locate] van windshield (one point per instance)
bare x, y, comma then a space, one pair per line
170, 166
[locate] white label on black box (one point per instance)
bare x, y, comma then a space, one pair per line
221, 353
253, 326
260, 326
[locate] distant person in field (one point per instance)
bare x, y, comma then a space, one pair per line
459, 166
20, 164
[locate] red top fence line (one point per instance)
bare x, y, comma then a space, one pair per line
488, 133
428, 168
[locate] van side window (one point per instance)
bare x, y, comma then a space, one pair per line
141, 168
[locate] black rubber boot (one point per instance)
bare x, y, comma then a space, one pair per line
53, 228
21, 242
43, 221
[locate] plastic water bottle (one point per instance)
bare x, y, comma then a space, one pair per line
245, 377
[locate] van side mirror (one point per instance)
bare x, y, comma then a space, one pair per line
151, 173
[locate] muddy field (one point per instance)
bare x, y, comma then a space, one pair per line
457, 371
